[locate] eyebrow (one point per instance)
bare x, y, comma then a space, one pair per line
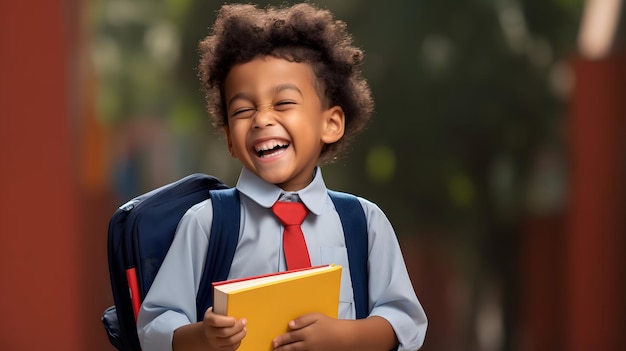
276, 90
288, 86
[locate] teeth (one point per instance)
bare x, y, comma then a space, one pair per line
270, 147
272, 144
270, 153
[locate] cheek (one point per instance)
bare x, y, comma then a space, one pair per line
238, 133
235, 139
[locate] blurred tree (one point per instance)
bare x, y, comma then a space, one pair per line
469, 95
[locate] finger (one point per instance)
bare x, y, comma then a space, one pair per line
226, 338
217, 320
226, 332
235, 337
304, 321
286, 341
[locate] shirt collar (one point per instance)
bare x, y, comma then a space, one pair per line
266, 194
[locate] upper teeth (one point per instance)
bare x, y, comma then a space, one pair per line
269, 145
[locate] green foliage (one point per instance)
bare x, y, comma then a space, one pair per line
381, 164
458, 86
465, 97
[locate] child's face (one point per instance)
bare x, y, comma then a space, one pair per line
277, 122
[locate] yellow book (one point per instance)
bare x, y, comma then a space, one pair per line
269, 302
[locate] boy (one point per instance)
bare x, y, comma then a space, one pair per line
285, 86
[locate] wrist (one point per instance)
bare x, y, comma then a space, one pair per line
190, 337
371, 333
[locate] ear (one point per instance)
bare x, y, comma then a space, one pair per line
229, 142
335, 122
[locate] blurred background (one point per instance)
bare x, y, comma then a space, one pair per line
497, 150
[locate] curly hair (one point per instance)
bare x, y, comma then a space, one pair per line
299, 33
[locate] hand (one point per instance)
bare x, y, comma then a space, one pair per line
222, 332
311, 332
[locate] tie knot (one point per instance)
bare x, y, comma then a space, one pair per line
290, 213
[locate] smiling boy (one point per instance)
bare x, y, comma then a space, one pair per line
277, 122
285, 86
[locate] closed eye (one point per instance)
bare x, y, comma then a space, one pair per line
244, 113
284, 105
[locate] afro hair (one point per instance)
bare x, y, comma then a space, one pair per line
299, 33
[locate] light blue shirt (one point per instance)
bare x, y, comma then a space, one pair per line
171, 301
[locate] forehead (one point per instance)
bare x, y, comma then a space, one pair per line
263, 74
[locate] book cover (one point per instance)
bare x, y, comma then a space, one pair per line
269, 302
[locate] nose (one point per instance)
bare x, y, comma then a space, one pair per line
264, 116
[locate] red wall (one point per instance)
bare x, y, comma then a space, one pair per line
573, 267
53, 278
596, 225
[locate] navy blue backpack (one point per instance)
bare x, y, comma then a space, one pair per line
141, 231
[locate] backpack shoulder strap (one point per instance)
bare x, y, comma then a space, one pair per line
354, 225
222, 245
224, 238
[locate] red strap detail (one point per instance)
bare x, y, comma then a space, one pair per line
133, 290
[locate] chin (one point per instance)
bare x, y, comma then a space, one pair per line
273, 178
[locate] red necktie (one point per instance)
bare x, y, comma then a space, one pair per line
291, 215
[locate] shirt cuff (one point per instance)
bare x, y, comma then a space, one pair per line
410, 333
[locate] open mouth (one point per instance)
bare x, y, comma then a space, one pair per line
270, 148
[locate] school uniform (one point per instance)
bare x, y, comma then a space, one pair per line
171, 301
